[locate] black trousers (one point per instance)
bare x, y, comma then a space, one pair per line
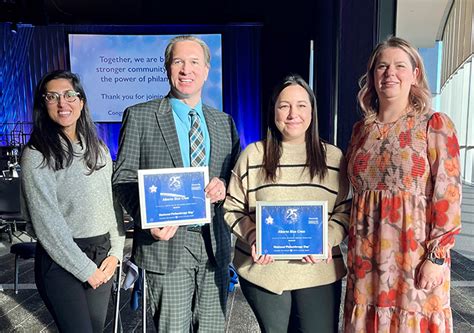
74, 305
309, 310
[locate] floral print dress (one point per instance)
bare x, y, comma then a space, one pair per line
406, 203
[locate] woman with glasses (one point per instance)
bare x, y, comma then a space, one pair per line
66, 184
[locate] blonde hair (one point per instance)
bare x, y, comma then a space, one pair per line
419, 97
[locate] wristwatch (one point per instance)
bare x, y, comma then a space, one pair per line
432, 257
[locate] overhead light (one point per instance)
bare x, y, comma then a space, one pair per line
14, 28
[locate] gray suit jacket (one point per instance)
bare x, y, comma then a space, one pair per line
148, 140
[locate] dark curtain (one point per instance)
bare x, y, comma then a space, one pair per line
241, 80
31, 52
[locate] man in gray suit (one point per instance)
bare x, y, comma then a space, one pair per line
187, 267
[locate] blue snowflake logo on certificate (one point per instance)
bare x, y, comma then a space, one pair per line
291, 215
175, 183
269, 220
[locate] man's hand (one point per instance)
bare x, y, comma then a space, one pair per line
430, 275
164, 233
215, 190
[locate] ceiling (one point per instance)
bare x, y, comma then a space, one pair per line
43, 12
419, 21
422, 21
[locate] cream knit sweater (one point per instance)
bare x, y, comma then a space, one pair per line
247, 185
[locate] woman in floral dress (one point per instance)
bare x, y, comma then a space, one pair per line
403, 162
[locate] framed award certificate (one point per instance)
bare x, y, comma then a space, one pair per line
292, 229
173, 196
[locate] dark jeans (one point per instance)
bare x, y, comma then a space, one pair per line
309, 310
74, 305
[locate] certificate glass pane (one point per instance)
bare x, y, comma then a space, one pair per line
292, 229
173, 196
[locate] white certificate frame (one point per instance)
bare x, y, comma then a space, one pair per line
148, 221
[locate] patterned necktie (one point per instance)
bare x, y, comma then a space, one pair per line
197, 151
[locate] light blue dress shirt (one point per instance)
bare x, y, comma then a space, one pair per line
182, 122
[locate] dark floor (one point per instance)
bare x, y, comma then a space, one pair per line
25, 311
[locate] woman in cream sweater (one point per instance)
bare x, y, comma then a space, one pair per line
292, 163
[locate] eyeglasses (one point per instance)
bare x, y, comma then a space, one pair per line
53, 97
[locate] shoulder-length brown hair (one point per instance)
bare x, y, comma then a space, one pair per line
315, 152
420, 94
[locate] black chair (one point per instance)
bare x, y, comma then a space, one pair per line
25, 251
10, 207
10, 217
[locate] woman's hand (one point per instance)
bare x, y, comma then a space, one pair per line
312, 260
96, 279
108, 266
430, 275
164, 233
261, 259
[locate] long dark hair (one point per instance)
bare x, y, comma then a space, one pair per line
46, 135
315, 152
